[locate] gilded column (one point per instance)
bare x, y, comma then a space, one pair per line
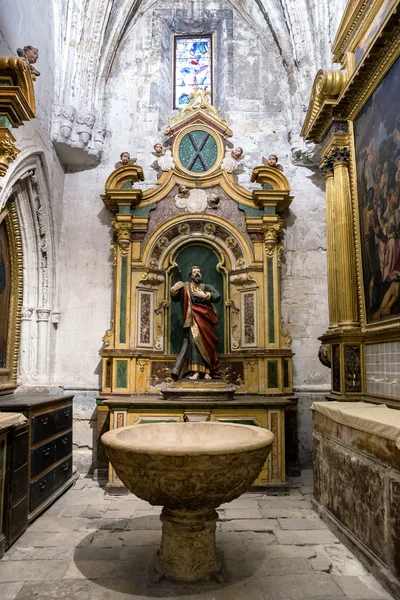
273, 247
122, 226
347, 309
327, 169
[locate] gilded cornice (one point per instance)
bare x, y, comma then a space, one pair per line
324, 97
354, 25
17, 96
326, 108
349, 26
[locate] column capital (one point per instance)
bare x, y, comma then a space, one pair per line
42, 314
271, 237
340, 155
326, 167
123, 230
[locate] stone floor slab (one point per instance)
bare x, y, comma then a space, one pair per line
8, 591
307, 586
303, 538
230, 514
249, 525
32, 570
67, 589
355, 589
302, 524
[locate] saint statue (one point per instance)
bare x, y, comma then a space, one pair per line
199, 321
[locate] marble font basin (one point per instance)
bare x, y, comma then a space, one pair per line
189, 469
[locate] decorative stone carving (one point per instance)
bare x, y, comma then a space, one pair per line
84, 126
78, 137
63, 122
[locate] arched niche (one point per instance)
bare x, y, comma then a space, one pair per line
28, 190
209, 261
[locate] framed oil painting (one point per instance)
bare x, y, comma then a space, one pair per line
377, 145
10, 297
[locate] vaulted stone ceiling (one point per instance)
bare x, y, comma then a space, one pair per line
89, 33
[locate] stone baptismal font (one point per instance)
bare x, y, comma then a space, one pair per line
190, 469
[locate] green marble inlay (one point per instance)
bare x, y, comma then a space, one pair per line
122, 370
250, 211
266, 186
198, 151
269, 210
143, 211
273, 374
271, 307
124, 209
122, 314
5, 122
127, 186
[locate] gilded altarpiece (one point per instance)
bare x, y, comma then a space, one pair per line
354, 114
235, 236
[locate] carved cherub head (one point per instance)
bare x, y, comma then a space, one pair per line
125, 158
237, 153
184, 191
31, 54
272, 161
158, 149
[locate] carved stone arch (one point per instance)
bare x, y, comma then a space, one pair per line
28, 188
212, 230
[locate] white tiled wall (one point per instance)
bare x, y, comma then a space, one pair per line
382, 367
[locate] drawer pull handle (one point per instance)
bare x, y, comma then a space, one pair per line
64, 441
45, 420
42, 485
46, 451
66, 467
66, 413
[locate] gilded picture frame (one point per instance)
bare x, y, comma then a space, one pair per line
10, 297
376, 195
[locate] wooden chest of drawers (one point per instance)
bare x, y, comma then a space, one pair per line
49, 470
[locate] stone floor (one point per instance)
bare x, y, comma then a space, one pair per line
89, 546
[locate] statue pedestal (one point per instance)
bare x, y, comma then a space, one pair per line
198, 391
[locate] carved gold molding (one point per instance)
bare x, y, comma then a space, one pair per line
271, 237
324, 96
8, 150
199, 102
123, 230
17, 96
8, 375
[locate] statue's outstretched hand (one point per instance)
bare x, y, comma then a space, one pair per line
176, 287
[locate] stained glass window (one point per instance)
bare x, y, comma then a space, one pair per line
193, 67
